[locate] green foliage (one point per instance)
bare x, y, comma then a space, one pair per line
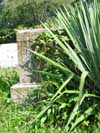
67, 100
45, 45
25, 13
18, 117
83, 31
8, 77
13, 117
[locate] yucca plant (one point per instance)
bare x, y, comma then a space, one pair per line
82, 28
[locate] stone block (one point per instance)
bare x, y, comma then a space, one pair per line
19, 91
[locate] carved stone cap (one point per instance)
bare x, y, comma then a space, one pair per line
27, 35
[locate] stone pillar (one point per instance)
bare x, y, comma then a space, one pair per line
26, 64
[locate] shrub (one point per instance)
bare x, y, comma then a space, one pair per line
26, 14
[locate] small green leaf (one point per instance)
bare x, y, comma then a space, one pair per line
48, 112
43, 119
63, 105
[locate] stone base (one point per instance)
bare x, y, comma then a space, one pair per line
19, 91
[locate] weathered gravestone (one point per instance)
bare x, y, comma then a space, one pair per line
25, 60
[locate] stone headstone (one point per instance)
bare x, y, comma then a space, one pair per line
26, 60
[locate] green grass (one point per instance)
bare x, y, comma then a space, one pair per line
17, 117
8, 77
